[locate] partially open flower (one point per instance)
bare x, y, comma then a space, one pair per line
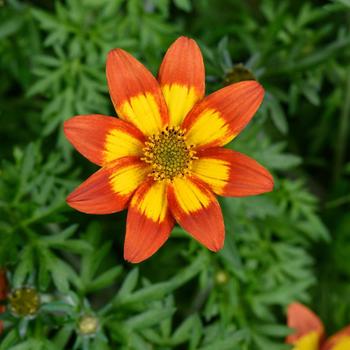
309, 331
88, 325
238, 73
24, 301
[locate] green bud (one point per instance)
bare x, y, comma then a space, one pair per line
238, 73
24, 301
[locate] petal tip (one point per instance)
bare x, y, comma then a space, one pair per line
114, 55
134, 258
71, 199
295, 307
67, 126
136, 255
129, 259
256, 86
117, 51
252, 86
217, 246
187, 43
270, 182
261, 89
70, 126
183, 38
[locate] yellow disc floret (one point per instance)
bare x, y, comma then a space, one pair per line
168, 154
24, 301
88, 325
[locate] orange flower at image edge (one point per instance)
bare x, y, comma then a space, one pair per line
309, 331
3, 293
163, 157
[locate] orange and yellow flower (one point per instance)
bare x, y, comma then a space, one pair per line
309, 331
3, 293
164, 158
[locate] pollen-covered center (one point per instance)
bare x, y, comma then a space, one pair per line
168, 154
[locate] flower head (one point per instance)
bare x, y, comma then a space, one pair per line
309, 331
163, 157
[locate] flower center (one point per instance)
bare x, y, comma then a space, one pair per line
88, 325
24, 301
168, 154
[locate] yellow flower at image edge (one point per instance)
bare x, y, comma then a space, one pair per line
24, 301
163, 157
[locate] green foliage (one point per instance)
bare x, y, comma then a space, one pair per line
52, 59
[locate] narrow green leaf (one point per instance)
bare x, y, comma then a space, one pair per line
105, 280
149, 318
183, 5
129, 284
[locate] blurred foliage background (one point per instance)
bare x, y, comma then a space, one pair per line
292, 244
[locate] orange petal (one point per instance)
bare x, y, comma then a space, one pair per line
3, 293
135, 93
196, 209
304, 321
109, 189
221, 116
230, 173
339, 341
3, 284
182, 78
149, 222
103, 139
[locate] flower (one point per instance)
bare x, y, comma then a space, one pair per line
163, 157
3, 293
309, 331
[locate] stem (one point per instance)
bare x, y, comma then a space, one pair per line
338, 202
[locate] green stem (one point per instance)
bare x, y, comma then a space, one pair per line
338, 202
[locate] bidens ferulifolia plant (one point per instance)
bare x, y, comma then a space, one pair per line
164, 158
53, 56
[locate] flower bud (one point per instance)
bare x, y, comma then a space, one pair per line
88, 325
24, 301
221, 277
238, 73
